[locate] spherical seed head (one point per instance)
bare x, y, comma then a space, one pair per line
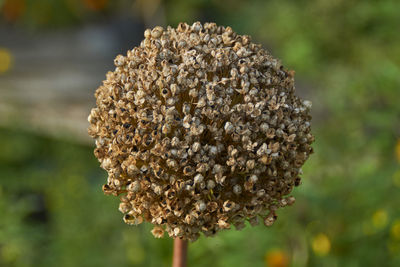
200, 129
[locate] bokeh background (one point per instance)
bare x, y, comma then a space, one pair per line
55, 53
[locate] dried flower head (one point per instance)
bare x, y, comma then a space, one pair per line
199, 130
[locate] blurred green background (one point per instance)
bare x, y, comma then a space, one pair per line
346, 54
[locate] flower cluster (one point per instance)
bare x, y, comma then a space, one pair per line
199, 130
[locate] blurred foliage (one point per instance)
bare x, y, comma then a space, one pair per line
54, 13
347, 60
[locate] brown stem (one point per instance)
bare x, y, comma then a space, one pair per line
180, 253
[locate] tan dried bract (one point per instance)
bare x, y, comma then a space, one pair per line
199, 130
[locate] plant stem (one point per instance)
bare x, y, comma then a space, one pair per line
180, 253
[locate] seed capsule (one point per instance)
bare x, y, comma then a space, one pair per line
199, 129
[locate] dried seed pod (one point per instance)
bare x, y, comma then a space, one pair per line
158, 232
200, 129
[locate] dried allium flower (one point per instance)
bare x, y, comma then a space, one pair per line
199, 129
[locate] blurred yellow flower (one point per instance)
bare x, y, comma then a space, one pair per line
380, 219
276, 258
321, 244
5, 60
395, 231
398, 150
